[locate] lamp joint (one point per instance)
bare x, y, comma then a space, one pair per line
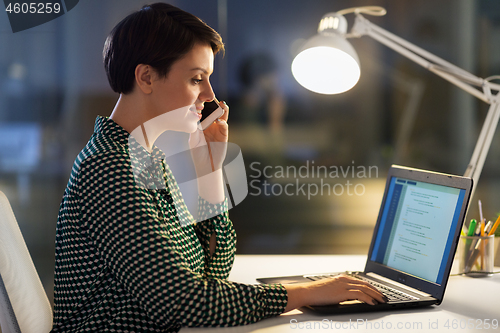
332, 23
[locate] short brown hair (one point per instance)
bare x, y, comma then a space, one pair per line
156, 35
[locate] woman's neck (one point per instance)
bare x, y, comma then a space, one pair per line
130, 112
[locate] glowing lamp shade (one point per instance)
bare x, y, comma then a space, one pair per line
328, 64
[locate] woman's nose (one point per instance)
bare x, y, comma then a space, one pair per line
207, 95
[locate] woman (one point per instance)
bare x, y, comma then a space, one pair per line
124, 262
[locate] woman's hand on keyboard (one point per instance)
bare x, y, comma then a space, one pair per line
332, 291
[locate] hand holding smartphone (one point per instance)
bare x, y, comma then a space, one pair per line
214, 115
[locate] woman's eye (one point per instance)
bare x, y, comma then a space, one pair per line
197, 81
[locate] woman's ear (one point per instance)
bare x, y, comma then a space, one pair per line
144, 77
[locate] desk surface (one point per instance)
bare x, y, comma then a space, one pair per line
469, 305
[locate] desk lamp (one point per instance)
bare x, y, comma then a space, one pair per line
328, 64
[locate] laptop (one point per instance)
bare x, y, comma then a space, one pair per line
413, 244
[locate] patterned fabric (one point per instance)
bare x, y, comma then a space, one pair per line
125, 264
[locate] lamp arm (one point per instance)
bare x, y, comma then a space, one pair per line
455, 75
449, 72
363, 26
484, 141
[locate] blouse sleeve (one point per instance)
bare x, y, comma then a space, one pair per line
122, 222
220, 263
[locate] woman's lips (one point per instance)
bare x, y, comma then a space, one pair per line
198, 114
196, 111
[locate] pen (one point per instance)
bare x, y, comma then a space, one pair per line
480, 210
488, 227
464, 228
472, 227
470, 233
468, 249
495, 226
475, 250
482, 218
482, 245
473, 254
471, 251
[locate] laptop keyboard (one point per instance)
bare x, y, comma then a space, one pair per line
393, 295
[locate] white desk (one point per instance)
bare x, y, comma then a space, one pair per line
466, 301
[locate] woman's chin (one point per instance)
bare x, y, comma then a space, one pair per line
187, 128
193, 129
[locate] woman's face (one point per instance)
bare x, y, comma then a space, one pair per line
185, 89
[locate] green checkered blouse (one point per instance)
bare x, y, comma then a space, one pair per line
124, 263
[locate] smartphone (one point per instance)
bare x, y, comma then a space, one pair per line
211, 112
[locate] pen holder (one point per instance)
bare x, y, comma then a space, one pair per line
476, 255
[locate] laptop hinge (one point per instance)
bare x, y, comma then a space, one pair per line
400, 285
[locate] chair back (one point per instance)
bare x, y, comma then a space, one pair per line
24, 306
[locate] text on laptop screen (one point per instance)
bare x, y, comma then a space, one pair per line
417, 227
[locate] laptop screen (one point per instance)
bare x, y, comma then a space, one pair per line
417, 226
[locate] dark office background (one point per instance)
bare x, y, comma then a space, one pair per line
53, 86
